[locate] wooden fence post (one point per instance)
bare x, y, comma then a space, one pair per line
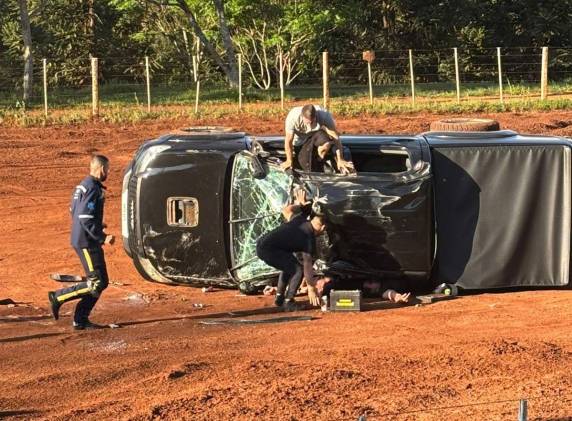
544, 74
197, 83
94, 88
147, 76
500, 75
281, 64
239, 59
370, 83
369, 56
45, 68
325, 79
412, 76
457, 80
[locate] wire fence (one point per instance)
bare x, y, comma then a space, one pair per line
399, 75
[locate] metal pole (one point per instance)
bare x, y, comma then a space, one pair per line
198, 88
370, 83
457, 76
325, 79
148, 84
281, 80
94, 88
523, 410
45, 66
412, 76
500, 74
239, 59
197, 82
544, 74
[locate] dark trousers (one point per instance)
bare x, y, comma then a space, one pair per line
93, 262
290, 270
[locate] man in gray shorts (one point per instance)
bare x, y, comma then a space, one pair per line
311, 123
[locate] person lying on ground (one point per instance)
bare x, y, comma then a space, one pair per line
277, 248
370, 288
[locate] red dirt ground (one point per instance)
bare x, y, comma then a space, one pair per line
470, 358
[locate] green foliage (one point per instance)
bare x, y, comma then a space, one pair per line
125, 31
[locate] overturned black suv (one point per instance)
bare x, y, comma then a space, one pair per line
478, 209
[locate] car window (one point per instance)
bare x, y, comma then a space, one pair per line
256, 208
386, 157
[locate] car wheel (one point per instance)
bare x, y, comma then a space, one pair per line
465, 125
247, 288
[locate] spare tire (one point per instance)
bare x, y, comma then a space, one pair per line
465, 125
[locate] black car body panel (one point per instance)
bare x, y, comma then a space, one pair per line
502, 210
484, 210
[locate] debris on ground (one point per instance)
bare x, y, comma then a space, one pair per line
8, 302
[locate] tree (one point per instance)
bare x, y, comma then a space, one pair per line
230, 68
28, 56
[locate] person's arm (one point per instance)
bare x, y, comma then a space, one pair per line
288, 148
300, 201
395, 297
344, 166
313, 294
307, 265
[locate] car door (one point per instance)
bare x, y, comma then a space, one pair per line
381, 218
259, 190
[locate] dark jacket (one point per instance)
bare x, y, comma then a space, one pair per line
86, 209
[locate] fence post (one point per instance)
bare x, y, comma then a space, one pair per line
94, 88
239, 59
325, 79
197, 84
281, 64
370, 83
457, 80
500, 75
45, 66
544, 74
523, 410
412, 75
148, 84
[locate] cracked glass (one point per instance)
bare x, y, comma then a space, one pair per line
256, 208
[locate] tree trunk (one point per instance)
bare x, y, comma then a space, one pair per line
230, 69
91, 28
227, 42
28, 58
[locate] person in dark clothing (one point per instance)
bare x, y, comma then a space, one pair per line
87, 238
278, 247
316, 154
369, 288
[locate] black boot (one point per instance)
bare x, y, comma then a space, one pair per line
54, 305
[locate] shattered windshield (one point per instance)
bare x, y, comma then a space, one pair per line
256, 209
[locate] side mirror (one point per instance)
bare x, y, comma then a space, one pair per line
258, 170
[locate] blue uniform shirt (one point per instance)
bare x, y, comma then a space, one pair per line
87, 213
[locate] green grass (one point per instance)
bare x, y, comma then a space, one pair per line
128, 103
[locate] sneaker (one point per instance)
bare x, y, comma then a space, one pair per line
87, 326
279, 300
291, 305
54, 305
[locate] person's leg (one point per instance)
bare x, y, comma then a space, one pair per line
97, 280
290, 271
74, 292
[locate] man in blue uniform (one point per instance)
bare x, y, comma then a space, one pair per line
87, 238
